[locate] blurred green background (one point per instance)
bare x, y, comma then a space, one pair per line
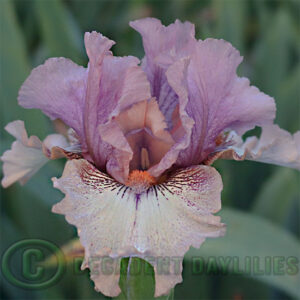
260, 202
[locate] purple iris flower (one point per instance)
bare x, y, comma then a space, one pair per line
141, 139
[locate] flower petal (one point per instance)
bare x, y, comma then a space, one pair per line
57, 88
217, 98
57, 142
85, 99
114, 221
144, 126
114, 84
182, 124
27, 155
275, 146
158, 39
163, 45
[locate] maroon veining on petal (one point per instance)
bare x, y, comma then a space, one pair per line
116, 224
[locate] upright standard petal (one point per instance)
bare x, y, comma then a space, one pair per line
218, 99
182, 124
27, 155
114, 84
86, 99
114, 222
163, 45
58, 88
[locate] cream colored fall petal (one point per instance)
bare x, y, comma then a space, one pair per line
165, 221
27, 154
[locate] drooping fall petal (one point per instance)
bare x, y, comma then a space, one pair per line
275, 146
164, 221
27, 155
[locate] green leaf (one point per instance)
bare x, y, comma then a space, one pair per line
272, 53
228, 15
256, 238
14, 67
41, 182
277, 196
60, 32
288, 106
137, 280
10, 235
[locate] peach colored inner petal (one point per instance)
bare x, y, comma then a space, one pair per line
144, 127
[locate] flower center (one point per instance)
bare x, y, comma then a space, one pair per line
140, 181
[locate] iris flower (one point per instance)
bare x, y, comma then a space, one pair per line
138, 181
